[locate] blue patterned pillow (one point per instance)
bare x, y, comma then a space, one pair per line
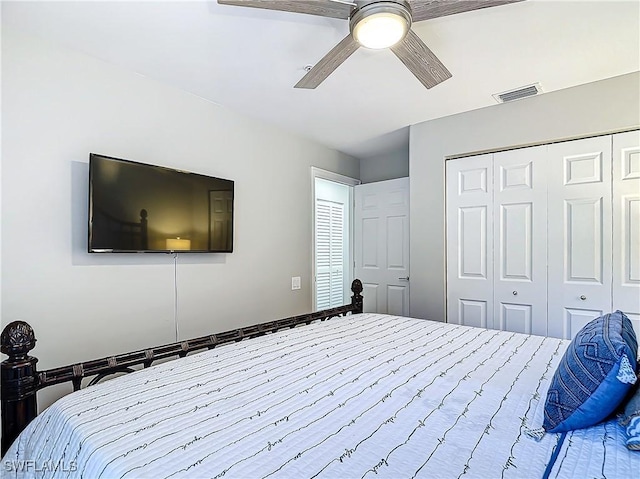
594, 375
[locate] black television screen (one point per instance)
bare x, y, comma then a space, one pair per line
135, 207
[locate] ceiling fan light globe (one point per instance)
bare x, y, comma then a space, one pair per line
380, 30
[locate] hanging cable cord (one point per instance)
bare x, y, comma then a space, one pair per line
175, 293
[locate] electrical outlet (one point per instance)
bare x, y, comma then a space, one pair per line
295, 282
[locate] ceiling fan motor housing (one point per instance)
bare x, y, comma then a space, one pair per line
399, 10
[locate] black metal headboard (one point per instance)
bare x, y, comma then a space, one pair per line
20, 379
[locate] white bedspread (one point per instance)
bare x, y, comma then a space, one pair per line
362, 396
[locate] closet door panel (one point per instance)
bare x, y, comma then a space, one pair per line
579, 233
520, 245
575, 319
470, 241
626, 225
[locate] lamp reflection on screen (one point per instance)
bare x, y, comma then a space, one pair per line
178, 244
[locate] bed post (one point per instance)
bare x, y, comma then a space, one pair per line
356, 299
19, 381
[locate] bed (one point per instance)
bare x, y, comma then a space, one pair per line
359, 395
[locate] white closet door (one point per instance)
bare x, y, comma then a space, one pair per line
470, 241
579, 212
520, 240
626, 225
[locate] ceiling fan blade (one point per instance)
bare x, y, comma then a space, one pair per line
329, 63
427, 9
323, 8
420, 60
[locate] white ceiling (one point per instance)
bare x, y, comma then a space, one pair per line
249, 59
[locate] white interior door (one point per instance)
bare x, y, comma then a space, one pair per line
579, 225
382, 245
626, 225
520, 240
470, 241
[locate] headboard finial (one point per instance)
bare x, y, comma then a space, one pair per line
19, 380
356, 299
17, 340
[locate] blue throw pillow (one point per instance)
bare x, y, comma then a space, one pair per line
594, 375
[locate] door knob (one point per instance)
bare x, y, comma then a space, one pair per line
583, 297
515, 293
406, 278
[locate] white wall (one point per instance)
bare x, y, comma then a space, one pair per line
59, 105
387, 166
599, 107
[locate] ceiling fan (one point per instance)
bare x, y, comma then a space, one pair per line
377, 24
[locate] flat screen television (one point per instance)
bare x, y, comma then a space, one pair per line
136, 207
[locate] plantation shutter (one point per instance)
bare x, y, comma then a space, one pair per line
329, 254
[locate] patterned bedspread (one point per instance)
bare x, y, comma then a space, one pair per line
362, 396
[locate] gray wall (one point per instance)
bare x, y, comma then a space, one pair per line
59, 105
594, 108
388, 166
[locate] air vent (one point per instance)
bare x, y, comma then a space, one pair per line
518, 93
